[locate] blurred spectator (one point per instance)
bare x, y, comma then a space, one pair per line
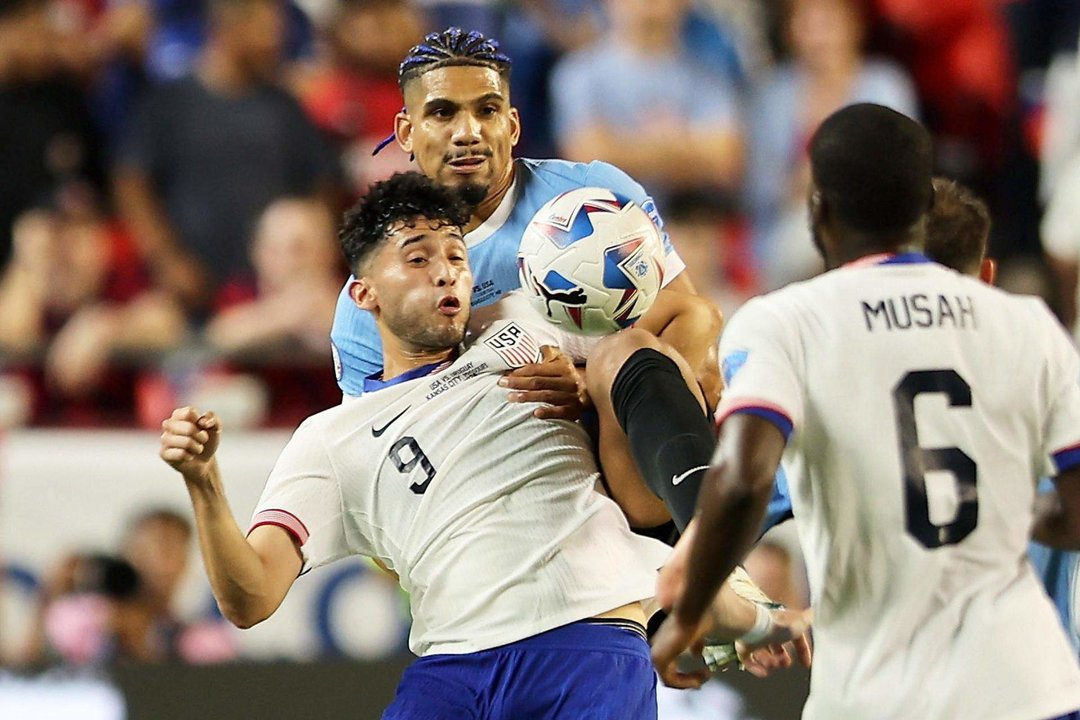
181, 27
1061, 241
729, 34
536, 33
480, 15
826, 71
207, 153
352, 95
716, 250
87, 613
1060, 133
298, 276
637, 100
958, 53
269, 341
157, 544
75, 297
45, 127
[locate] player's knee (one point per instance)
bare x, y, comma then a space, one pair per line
612, 352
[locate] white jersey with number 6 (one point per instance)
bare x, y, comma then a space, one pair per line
488, 515
921, 407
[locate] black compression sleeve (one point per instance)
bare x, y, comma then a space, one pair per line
670, 436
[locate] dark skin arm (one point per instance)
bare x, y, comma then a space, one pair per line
734, 496
1057, 514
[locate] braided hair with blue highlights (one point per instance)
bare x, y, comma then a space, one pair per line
453, 47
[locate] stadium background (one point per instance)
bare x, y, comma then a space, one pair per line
83, 384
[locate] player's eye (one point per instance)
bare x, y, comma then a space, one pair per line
489, 110
416, 260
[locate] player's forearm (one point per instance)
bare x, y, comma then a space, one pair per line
694, 331
732, 615
236, 572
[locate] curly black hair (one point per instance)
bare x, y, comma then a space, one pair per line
403, 197
451, 47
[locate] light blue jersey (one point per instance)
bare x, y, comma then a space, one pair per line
492, 255
1058, 571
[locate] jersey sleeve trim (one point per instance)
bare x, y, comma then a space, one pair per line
283, 519
762, 409
1067, 458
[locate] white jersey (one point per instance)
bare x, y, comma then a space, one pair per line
922, 405
488, 515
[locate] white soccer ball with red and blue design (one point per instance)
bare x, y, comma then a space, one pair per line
591, 261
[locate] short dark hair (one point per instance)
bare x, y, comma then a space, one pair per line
453, 47
403, 197
957, 226
873, 167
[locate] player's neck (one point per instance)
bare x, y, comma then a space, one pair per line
401, 358
490, 204
842, 255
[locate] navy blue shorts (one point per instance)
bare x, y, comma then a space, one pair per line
1075, 715
583, 671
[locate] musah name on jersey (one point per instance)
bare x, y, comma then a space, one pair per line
919, 311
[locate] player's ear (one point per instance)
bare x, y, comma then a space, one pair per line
988, 271
403, 128
515, 127
363, 294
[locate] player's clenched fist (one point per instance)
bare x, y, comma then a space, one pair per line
189, 440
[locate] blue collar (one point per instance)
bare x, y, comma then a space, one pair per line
908, 258
375, 382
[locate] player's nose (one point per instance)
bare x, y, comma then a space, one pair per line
466, 129
444, 273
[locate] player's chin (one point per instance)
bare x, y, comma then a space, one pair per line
448, 333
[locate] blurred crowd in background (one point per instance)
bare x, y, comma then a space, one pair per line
172, 170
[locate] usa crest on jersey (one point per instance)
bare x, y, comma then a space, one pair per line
516, 347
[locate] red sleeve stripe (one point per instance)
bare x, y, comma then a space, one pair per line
283, 519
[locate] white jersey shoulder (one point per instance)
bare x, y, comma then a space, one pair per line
922, 405
488, 515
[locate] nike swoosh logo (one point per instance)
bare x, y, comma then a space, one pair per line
682, 476
380, 431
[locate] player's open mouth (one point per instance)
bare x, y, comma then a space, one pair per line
468, 164
450, 305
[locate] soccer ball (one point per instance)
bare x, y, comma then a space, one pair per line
591, 261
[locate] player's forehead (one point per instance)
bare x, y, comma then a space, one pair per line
403, 234
459, 84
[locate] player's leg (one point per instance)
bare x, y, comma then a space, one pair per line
655, 438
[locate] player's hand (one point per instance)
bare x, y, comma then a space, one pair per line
554, 381
188, 442
787, 643
673, 639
